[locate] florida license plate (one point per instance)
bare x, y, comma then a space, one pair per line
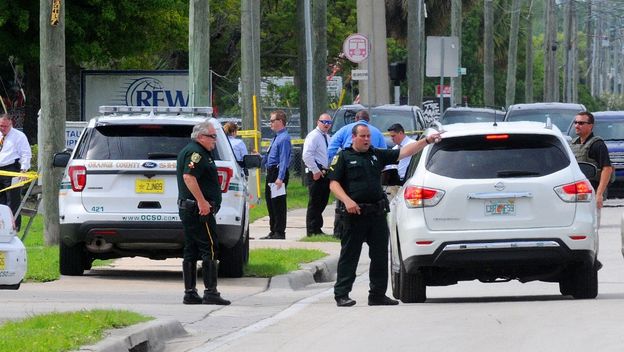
150, 186
2, 261
500, 207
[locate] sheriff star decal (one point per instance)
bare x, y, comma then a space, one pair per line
195, 158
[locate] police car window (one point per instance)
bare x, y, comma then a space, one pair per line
383, 119
475, 157
135, 142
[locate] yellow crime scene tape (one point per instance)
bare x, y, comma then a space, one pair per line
25, 178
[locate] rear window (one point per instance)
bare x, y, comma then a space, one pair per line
380, 118
135, 142
459, 116
476, 157
562, 118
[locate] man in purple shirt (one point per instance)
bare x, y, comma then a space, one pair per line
276, 161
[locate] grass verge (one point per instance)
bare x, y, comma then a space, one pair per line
296, 197
63, 331
320, 238
268, 262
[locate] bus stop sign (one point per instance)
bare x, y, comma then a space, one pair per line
356, 48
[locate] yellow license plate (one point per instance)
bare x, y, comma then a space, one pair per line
2, 265
150, 186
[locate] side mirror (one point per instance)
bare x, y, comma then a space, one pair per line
589, 170
252, 161
390, 177
62, 158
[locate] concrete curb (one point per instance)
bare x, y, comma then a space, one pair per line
323, 270
149, 336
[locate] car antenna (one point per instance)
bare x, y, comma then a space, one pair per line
495, 124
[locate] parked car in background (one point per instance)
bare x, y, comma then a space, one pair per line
561, 114
12, 252
382, 117
464, 114
494, 203
118, 195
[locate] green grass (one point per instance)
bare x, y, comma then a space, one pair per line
296, 197
320, 238
268, 262
63, 331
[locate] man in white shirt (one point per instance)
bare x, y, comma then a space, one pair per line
397, 133
316, 162
15, 156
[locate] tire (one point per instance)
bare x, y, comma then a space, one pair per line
72, 259
232, 260
413, 288
585, 281
246, 248
566, 286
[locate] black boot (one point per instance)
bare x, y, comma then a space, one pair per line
189, 272
210, 270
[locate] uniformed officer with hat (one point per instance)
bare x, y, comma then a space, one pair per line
199, 199
355, 179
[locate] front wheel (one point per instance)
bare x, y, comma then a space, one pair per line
72, 259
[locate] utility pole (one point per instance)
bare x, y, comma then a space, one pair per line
571, 54
456, 31
589, 40
550, 53
415, 52
488, 52
371, 22
199, 54
528, 73
53, 105
250, 63
512, 54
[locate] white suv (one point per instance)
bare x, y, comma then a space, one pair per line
118, 196
494, 202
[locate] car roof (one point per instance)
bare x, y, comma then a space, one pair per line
516, 127
381, 107
474, 109
548, 105
609, 115
137, 119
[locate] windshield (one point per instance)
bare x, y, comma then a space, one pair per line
609, 130
562, 118
459, 116
380, 118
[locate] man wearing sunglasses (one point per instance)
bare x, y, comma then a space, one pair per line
592, 149
316, 162
199, 198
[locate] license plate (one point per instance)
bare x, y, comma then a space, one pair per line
2, 264
150, 186
500, 207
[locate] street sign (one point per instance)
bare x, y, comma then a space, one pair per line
442, 56
359, 75
445, 91
356, 48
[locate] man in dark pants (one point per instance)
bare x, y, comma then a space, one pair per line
277, 160
315, 159
15, 156
355, 179
199, 199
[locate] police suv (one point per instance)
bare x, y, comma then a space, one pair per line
118, 195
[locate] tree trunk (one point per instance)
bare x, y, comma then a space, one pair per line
199, 54
528, 74
550, 53
53, 109
456, 31
371, 22
512, 54
488, 52
415, 52
250, 66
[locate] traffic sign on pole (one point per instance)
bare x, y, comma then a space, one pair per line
356, 48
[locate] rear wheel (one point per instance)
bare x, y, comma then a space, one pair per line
566, 286
586, 281
232, 260
72, 259
413, 288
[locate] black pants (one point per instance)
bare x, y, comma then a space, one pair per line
200, 236
318, 195
12, 197
358, 229
276, 206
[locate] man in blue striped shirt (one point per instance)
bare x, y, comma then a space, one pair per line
277, 160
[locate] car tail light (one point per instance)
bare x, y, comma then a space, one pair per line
418, 197
78, 177
225, 176
496, 137
580, 191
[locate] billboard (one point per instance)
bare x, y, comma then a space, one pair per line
132, 88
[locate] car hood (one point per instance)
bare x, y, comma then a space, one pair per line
615, 146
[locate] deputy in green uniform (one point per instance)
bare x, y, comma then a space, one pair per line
355, 179
199, 199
